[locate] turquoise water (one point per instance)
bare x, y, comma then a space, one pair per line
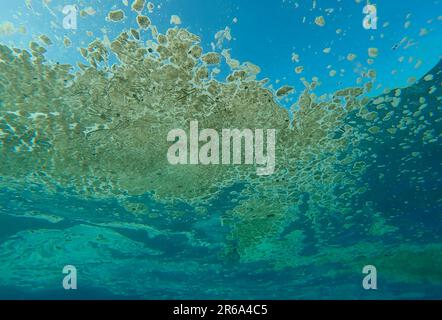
84, 177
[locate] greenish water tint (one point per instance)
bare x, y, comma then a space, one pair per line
85, 181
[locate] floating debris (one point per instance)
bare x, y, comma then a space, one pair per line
67, 42
116, 15
89, 11
423, 32
135, 34
45, 39
284, 91
222, 35
373, 52
28, 4
176, 20
374, 130
7, 29
138, 5
150, 7
211, 58
320, 21
299, 69
143, 22
429, 77
351, 56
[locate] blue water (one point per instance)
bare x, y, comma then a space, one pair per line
183, 256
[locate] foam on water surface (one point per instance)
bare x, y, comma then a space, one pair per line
95, 134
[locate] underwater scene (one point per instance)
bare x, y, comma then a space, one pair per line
221, 149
